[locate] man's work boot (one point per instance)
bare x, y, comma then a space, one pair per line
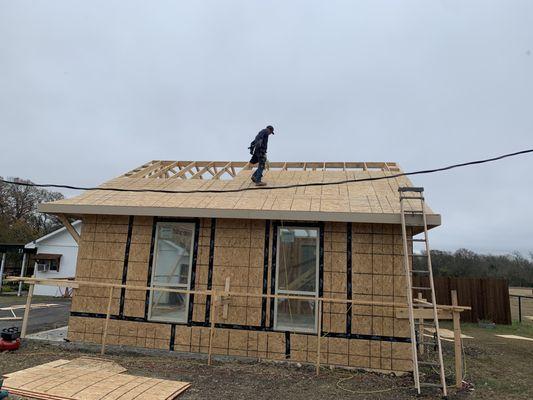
260, 183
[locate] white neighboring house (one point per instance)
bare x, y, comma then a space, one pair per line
56, 258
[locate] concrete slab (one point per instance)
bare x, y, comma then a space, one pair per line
53, 335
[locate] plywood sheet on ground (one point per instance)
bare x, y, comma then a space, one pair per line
88, 378
448, 334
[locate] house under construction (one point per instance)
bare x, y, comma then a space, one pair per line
301, 263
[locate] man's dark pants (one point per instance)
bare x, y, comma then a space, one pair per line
258, 174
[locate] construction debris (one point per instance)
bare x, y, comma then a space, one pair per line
87, 378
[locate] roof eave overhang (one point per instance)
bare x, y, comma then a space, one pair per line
433, 220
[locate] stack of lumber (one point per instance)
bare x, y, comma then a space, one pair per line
88, 379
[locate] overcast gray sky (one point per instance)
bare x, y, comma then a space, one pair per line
89, 90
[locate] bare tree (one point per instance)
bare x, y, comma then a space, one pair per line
19, 219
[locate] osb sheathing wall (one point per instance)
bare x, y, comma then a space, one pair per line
356, 336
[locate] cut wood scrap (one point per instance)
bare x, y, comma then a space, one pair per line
446, 333
442, 338
33, 306
88, 378
515, 337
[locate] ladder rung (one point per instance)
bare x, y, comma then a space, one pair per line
421, 288
417, 255
411, 197
429, 384
420, 271
417, 240
410, 189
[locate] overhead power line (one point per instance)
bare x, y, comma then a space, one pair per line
296, 185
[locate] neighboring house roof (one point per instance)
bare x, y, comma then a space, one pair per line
370, 201
33, 244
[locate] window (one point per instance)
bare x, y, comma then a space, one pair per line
173, 251
296, 275
47, 262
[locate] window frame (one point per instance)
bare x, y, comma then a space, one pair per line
44, 264
187, 286
315, 294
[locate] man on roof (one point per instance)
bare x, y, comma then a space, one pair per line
258, 150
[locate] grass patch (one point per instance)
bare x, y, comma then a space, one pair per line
517, 328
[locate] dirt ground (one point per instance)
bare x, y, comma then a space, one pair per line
498, 369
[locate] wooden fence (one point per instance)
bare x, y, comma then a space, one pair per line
488, 297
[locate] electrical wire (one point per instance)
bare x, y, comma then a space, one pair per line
297, 185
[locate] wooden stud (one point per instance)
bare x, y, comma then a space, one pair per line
212, 329
73, 232
226, 299
318, 336
458, 347
421, 346
26, 312
106, 323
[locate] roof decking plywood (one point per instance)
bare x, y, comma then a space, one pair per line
370, 201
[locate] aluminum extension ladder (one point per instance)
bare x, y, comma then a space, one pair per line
427, 354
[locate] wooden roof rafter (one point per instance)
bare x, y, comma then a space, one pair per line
181, 173
159, 169
228, 168
201, 171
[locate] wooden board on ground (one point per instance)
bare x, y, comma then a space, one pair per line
87, 378
515, 337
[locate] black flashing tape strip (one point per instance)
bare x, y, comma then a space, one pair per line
287, 345
370, 337
349, 277
125, 266
321, 260
192, 284
273, 271
150, 266
246, 328
265, 273
172, 336
210, 268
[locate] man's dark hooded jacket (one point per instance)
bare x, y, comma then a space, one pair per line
258, 148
